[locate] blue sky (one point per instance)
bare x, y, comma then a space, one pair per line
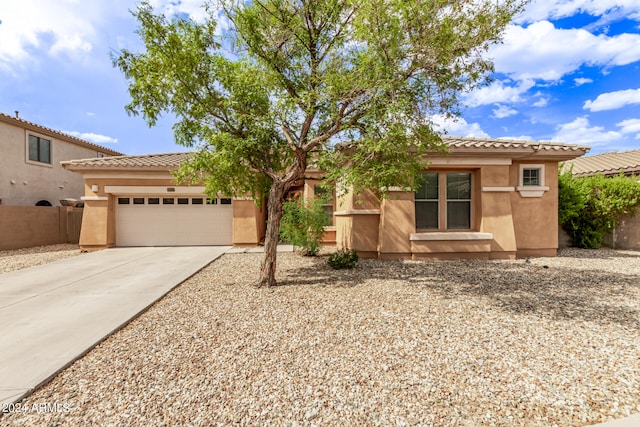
568, 71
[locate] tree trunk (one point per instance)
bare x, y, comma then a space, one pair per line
274, 206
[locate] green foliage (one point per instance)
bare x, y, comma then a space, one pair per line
590, 207
302, 224
343, 259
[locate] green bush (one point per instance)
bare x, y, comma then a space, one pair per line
343, 259
302, 224
591, 207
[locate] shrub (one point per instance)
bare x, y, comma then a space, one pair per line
343, 259
302, 224
591, 207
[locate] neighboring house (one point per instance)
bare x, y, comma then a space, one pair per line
627, 234
607, 164
30, 168
485, 199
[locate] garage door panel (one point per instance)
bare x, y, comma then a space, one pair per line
176, 224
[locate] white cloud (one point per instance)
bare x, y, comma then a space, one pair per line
497, 92
542, 102
581, 132
192, 8
503, 111
30, 29
93, 137
613, 100
582, 81
555, 9
542, 51
630, 126
57, 27
458, 127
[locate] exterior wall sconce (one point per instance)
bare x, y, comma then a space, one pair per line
94, 188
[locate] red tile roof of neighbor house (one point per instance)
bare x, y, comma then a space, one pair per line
16, 121
456, 145
627, 162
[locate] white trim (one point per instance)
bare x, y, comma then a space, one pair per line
148, 189
93, 198
357, 212
470, 161
530, 190
469, 235
498, 189
35, 162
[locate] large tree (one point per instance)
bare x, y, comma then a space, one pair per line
262, 88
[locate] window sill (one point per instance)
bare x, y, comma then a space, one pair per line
530, 191
36, 163
468, 235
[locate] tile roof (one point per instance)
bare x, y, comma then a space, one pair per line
612, 163
152, 161
173, 160
16, 121
457, 142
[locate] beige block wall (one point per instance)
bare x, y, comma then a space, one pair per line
28, 226
627, 234
35, 181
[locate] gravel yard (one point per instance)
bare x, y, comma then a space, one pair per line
553, 341
17, 259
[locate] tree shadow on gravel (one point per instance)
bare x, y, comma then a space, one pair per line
518, 287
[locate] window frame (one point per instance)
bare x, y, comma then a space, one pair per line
319, 191
443, 202
39, 138
532, 190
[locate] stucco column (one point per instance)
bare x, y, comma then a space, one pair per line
397, 223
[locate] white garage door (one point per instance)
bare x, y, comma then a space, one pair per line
173, 221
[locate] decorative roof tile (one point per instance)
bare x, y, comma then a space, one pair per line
152, 161
16, 121
173, 160
627, 162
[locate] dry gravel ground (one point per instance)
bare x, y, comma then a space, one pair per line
555, 341
17, 259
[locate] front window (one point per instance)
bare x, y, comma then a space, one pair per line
459, 201
39, 149
452, 202
427, 202
327, 197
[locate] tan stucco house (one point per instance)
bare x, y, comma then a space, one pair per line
489, 199
30, 163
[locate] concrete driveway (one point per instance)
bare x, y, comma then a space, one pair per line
53, 314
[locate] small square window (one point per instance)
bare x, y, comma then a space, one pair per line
168, 201
183, 201
225, 201
196, 201
138, 200
212, 201
154, 201
531, 177
124, 200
